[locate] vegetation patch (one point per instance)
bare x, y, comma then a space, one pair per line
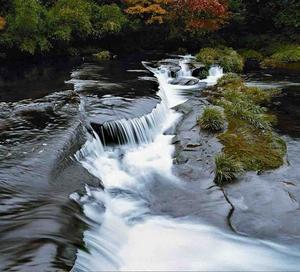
102, 55
226, 57
227, 169
282, 55
249, 140
212, 119
251, 55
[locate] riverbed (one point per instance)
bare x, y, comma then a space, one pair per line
105, 169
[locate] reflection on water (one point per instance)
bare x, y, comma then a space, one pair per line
130, 225
39, 224
126, 233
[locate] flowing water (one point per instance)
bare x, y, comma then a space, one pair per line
123, 119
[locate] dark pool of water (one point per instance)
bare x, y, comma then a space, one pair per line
286, 105
42, 124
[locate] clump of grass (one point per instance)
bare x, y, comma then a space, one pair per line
226, 169
249, 139
212, 119
226, 57
230, 78
254, 149
103, 55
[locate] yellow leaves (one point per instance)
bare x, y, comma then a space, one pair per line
152, 11
2, 23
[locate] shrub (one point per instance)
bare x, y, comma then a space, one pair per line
212, 119
250, 54
226, 169
229, 79
283, 54
103, 55
208, 56
227, 58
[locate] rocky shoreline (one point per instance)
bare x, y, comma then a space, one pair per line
265, 205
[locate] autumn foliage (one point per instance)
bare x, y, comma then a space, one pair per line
192, 14
202, 14
2, 23
151, 11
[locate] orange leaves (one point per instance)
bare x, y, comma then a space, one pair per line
202, 14
2, 23
152, 11
192, 14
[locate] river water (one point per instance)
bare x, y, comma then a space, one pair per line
81, 171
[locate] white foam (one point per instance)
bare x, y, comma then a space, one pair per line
123, 236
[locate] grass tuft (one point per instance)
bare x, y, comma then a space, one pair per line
212, 119
226, 169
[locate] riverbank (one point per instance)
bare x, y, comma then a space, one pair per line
263, 205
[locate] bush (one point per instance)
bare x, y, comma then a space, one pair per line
103, 55
250, 54
229, 79
107, 19
226, 169
227, 58
212, 119
283, 54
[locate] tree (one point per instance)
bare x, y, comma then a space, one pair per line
200, 14
107, 19
151, 11
68, 19
26, 27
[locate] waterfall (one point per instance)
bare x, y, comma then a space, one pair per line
214, 73
134, 131
125, 234
185, 71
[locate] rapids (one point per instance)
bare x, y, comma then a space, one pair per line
124, 232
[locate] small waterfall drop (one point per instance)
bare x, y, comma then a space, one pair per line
125, 234
185, 70
214, 73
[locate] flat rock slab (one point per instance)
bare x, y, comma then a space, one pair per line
194, 164
265, 206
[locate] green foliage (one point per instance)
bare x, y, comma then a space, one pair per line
26, 28
250, 54
230, 78
283, 54
212, 119
226, 169
70, 18
107, 19
103, 55
249, 136
227, 58
249, 146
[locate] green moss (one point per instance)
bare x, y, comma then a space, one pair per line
254, 149
102, 55
212, 119
226, 57
226, 169
249, 139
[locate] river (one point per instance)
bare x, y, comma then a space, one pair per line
88, 180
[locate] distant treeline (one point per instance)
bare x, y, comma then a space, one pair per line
41, 27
